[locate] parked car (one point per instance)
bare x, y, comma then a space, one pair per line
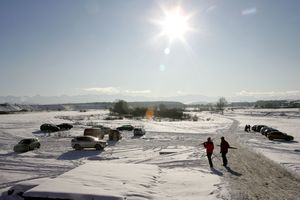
268, 130
27, 145
49, 128
82, 142
254, 127
139, 131
279, 135
258, 127
125, 128
114, 135
263, 129
65, 126
95, 132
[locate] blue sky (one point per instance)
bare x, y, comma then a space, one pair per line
237, 49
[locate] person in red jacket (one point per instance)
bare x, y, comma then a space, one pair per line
209, 145
224, 150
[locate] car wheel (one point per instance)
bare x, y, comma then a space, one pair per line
98, 147
77, 147
38, 146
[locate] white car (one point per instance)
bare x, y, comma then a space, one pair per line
82, 142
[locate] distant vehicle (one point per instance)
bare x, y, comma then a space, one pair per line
49, 128
254, 127
279, 135
65, 126
114, 135
125, 128
258, 127
139, 132
82, 142
263, 129
27, 145
95, 132
268, 130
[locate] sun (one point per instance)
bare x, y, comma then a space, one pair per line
175, 24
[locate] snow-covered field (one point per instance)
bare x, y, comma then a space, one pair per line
170, 153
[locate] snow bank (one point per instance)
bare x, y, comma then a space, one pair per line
95, 180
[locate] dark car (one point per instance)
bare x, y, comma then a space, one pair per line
27, 145
65, 126
254, 127
49, 128
139, 132
263, 129
268, 130
258, 127
125, 128
279, 135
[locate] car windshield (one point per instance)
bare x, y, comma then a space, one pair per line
25, 141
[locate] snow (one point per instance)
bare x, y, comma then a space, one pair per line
168, 162
285, 153
138, 157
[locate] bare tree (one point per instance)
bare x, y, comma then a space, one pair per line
221, 104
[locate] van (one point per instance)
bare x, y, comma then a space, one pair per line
95, 132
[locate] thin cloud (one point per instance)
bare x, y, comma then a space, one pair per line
105, 90
113, 90
293, 93
137, 91
250, 11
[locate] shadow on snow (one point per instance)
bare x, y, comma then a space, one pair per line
75, 155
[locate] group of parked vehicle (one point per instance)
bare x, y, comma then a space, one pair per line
91, 138
49, 128
271, 133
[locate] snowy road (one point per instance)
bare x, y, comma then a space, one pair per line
253, 176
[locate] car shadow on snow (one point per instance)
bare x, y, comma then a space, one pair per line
276, 141
9, 154
75, 155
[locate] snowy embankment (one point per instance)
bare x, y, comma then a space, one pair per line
172, 149
286, 153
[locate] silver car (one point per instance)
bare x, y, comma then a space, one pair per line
82, 142
27, 145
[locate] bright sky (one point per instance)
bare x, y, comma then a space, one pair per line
150, 48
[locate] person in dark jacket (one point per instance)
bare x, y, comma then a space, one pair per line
224, 150
209, 146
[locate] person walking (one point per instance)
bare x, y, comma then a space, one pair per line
224, 150
209, 146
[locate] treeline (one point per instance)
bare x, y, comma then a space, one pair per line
122, 108
277, 104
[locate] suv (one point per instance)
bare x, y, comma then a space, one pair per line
139, 132
279, 135
82, 142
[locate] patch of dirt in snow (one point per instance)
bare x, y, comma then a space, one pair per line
253, 176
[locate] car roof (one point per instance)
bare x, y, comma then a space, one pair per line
86, 136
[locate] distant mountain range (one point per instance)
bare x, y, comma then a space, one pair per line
65, 99
90, 98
